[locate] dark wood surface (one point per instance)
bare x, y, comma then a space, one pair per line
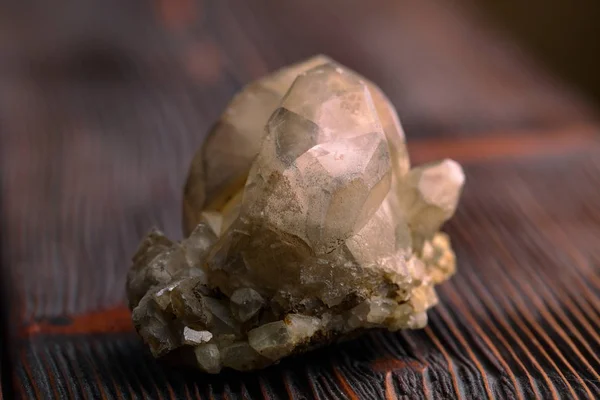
102, 105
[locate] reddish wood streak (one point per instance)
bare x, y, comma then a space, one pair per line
171, 393
344, 384
517, 299
504, 145
457, 335
558, 329
564, 297
444, 353
426, 390
390, 393
509, 310
264, 389
547, 297
98, 379
33, 383
483, 296
50, 375
288, 387
188, 395
391, 364
113, 320
80, 383
460, 305
63, 371
113, 382
196, 391
311, 383
580, 264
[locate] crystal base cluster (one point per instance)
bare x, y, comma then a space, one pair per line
305, 224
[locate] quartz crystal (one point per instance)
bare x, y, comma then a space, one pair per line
304, 224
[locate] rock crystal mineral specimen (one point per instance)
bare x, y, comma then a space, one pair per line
305, 224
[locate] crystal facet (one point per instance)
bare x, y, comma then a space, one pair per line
304, 224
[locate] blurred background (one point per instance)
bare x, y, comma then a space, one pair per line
560, 34
103, 103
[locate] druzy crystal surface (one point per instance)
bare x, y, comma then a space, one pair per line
304, 224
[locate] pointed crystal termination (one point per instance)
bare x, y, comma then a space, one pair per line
306, 224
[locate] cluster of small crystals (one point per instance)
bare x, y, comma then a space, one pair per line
304, 223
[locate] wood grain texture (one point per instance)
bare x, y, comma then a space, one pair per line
98, 128
520, 320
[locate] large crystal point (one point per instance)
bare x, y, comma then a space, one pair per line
221, 165
305, 224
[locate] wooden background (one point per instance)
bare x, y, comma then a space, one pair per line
102, 105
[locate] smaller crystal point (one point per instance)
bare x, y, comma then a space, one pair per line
246, 303
193, 337
277, 339
241, 356
305, 224
272, 340
429, 196
208, 357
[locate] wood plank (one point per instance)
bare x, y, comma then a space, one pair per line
519, 320
98, 129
